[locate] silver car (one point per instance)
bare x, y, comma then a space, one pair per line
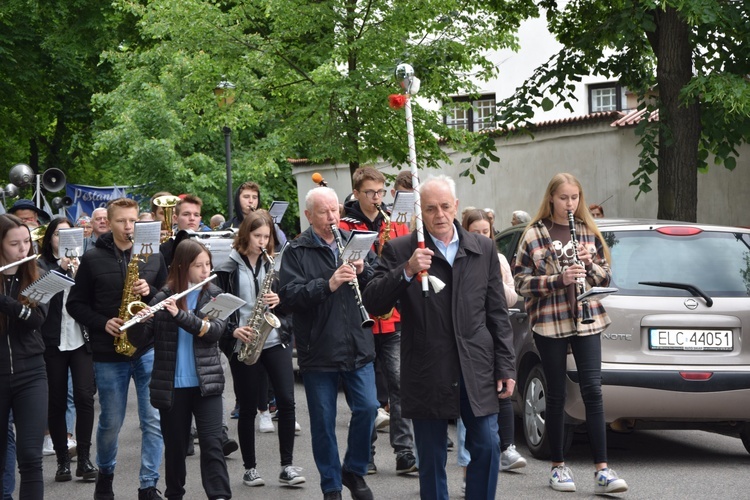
674, 355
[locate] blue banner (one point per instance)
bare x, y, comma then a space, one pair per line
86, 198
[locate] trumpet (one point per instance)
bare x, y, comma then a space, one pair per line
367, 322
586, 317
19, 262
149, 310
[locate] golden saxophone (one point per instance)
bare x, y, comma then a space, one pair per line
385, 237
262, 321
129, 306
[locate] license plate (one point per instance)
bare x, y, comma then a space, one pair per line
691, 340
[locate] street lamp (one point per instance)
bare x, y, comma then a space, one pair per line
224, 93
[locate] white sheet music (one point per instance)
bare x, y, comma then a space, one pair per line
71, 242
47, 287
597, 293
403, 207
358, 245
277, 210
146, 237
222, 306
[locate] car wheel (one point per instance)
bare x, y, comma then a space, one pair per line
534, 415
745, 436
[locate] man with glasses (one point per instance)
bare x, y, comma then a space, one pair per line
362, 213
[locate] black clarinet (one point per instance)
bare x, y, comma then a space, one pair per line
586, 317
367, 321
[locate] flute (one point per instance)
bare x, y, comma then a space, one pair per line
19, 262
160, 305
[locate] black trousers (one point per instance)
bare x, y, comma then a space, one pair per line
175, 429
81, 366
277, 361
26, 394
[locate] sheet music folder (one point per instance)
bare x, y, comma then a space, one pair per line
597, 293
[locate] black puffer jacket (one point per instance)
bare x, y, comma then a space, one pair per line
161, 330
97, 294
327, 325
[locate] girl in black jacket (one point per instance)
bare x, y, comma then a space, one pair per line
187, 378
67, 348
23, 378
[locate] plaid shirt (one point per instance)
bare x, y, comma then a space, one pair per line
538, 277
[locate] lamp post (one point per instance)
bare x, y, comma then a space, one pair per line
224, 93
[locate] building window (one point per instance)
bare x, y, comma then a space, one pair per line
479, 116
605, 97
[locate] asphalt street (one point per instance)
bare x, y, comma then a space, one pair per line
676, 465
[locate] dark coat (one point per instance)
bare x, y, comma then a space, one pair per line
22, 346
462, 331
327, 325
161, 331
97, 294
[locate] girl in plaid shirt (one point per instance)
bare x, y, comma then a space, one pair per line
545, 274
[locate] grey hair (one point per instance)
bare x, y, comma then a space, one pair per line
490, 211
316, 193
442, 178
522, 216
98, 208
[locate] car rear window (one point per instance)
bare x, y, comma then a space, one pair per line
716, 262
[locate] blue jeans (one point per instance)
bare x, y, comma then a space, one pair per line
321, 389
113, 380
482, 443
70, 411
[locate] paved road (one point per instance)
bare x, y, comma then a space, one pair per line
678, 465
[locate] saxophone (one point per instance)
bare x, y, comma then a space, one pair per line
129, 306
385, 237
261, 320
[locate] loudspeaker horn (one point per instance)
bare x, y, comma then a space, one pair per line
11, 191
59, 202
53, 180
21, 175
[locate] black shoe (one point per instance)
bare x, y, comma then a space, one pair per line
63, 468
191, 448
332, 495
406, 463
450, 443
103, 488
357, 485
85, 469
229, 446
371, 469
150, 493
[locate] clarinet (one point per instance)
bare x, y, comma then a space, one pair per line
367, 322
586, 317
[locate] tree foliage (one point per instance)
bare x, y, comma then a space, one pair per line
694, 55
312, 81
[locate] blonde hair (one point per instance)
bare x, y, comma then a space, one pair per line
582, 212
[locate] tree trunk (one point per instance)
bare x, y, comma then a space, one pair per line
679, 123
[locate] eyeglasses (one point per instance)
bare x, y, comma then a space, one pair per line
371, 193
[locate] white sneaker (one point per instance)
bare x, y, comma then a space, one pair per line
48, 448
561, 479
72, 448
266, 424
297, 428
510, 459
606, 481
382, 419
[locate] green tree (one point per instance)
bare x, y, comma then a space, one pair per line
312, 80
693, 55
49, 68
